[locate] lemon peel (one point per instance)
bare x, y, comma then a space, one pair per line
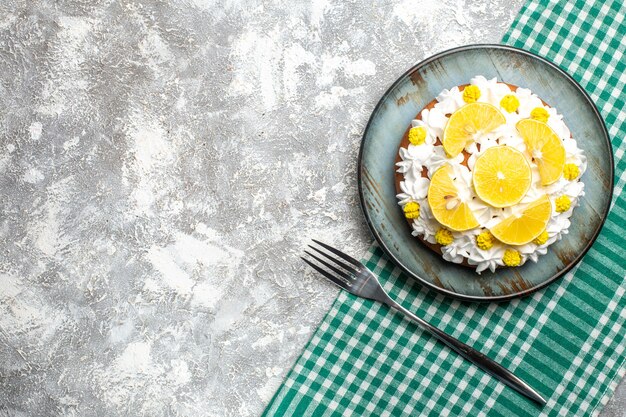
417, 135
446, 205
511, 257
544, 147
485, 240
501, 176
562, 203
539, 113
541, 239
412, 210
525, 226
444, 237
510, 103
468, 121
471, 94
570, 172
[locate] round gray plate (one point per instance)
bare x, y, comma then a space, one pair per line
410, 94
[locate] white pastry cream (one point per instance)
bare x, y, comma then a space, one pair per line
416, 158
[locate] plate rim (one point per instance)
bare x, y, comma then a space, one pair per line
446, 292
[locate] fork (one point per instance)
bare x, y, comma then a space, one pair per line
354, 277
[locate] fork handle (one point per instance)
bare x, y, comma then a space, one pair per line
488, 365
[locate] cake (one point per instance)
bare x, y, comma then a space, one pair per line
488, 175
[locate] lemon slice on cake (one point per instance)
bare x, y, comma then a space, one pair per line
545, 147
445, 202
502, 176
528, 225
467, 122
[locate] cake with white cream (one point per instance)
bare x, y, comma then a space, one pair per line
488, 175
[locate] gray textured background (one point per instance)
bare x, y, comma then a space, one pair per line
161, 166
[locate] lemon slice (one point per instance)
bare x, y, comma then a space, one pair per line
545, 147
467, 122
445, 204
523, 228
502, 176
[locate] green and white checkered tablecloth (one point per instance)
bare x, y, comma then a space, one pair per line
568, 340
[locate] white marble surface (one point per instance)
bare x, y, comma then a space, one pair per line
162, 165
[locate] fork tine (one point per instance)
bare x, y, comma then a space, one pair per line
334, 279
336, 270
338, 262
339, 253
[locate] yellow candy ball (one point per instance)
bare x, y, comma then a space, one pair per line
444, 237
484, 240
471, 94
511, 257
510, 103
570, 172
417, 135
412, 210
541, 239
562, 203
539, 113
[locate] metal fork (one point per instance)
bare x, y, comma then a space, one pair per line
355, 278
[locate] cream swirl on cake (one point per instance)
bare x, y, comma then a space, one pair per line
422, 154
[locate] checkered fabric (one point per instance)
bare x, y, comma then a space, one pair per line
567, 340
